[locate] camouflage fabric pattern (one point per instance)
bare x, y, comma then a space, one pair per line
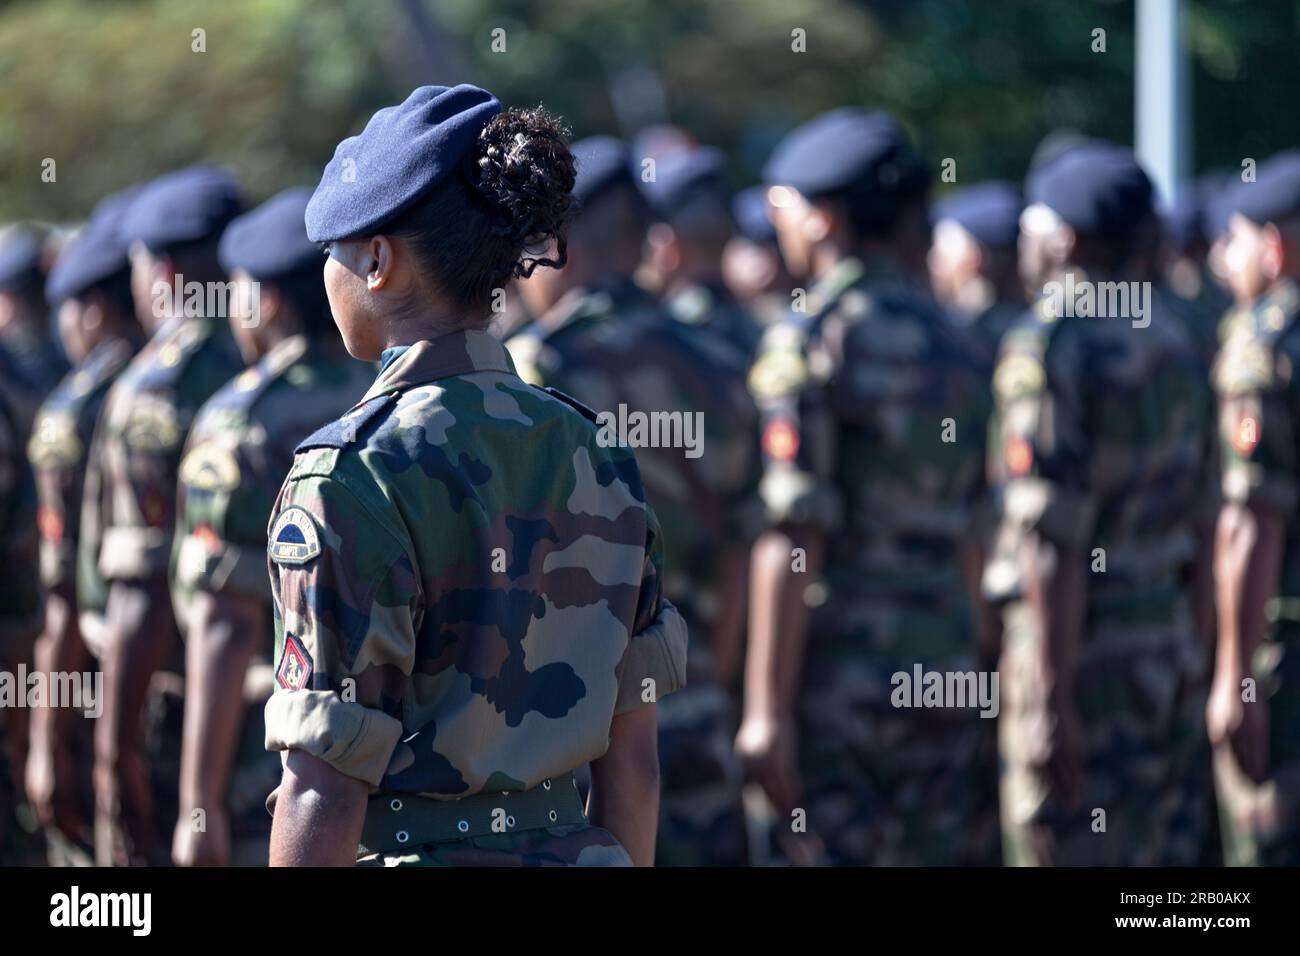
875, 408
59, 449
614, 345
1259, 427
237, 454
1101, 444
713, 307
467, 585
129, 510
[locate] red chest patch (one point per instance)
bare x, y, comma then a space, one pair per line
295, 665
781, 440
1246, 437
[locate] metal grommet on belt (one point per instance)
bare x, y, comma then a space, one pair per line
546, 785
552, 816
463, 826
510, 822
396, 805
403, 836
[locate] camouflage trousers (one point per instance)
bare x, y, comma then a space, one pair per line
888, 785
1139, 691
701, 814
1260, 822
552, 846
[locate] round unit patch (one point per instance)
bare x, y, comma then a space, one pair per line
294, 538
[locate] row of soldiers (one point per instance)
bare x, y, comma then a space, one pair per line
912, 461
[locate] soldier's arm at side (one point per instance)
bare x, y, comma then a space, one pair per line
624, 795
319, 813
225, 631
1247, 564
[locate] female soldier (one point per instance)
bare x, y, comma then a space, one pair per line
467, 583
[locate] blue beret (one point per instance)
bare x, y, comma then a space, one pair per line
749, 209
98, 252
601, 161
1274, 196
20, 257
271, 241
684, 174
844, 148
988, 211
1099, 190
188, 205
403, 152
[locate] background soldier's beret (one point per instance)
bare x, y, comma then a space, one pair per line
98, 252
749, 209
1099, 190
188, 205
846, 149
20, 257
989, 211
403, 152
685, 174
271, 241
1274, 196
602, 162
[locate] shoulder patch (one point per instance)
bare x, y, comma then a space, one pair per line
294, 538
584, 410
779, 372
1018, 375
54, 442
1245, 365
295, 665
344, 432
152, 424
209, 467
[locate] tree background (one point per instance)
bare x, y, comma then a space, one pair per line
114, 93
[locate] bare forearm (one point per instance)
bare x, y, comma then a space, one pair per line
1055, 589
624, 796
1248, 558
778, 621
728, 632
319, 814
59, 649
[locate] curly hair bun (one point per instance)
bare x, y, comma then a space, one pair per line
526, 173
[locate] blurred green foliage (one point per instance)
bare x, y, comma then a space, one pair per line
113, 91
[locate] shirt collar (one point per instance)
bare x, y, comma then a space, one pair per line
456, 353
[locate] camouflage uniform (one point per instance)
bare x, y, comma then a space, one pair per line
875, 410
238, 452
1260, 427
19, 611
713, 307
614, 345
37, 360
467, 588
992, 323
128, 512
1101, 444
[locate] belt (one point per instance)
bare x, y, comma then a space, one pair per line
394, 821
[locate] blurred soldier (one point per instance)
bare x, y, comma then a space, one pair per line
238, 452
688, 197
1184, 277
606, 341
752, 265
1099, 448
973, 266
1254, 709
875, 408
129, 514
90, 285
24, 318
19, 624
467, 580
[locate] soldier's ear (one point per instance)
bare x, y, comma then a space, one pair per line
381, 258
1273, 252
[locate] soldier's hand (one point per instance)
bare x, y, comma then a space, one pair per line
209, 846
52, 788
769, 748
1243, 726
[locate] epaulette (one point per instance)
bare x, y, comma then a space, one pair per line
346, 431
584, 410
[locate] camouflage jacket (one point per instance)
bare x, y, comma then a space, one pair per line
875, 407
239, 450
618, 351
19, 588
129, 508
1102, 443
58, 451
1259, 421
36, 361
713, 307
467, 583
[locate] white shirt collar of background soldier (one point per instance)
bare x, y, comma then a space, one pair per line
456, 353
